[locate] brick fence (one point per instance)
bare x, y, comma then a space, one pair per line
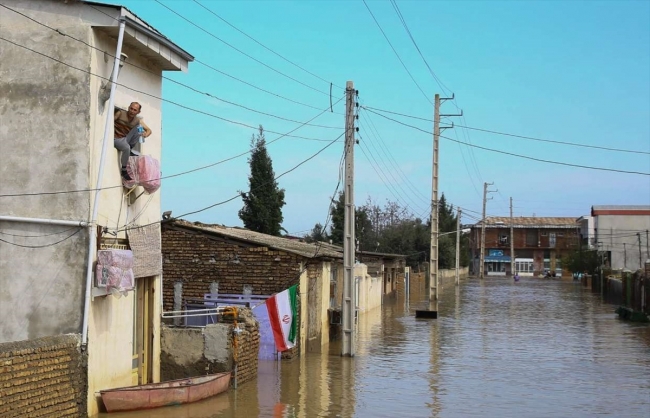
46, 377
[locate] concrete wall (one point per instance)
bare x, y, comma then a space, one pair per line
44, 108
189, 352
615, 230
44, 377
369, 288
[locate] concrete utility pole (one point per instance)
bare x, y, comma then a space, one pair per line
481, 267
624, 256
647, 245
433, 253
458, 246
349, 289
638, 235
512, 242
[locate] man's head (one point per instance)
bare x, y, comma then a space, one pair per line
134, 109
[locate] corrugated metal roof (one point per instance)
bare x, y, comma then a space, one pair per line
529, 222
279, 243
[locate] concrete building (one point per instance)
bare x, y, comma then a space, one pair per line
621, 232
54, 102
539, 244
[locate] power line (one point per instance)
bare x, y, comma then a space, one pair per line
172, 175
264, 46
401, 18
575, 144
385, 169
396, 54
391, 159
240, 51
38, 236
45, 245
516, 155
239, 194
167, 78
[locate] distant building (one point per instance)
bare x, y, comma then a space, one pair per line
621, 232
539, 244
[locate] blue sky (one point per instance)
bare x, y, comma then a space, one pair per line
576, 71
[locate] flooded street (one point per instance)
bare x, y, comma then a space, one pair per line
536, 348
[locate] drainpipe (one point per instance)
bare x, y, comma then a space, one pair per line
92, 235
43, 221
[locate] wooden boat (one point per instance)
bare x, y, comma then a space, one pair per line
173, 392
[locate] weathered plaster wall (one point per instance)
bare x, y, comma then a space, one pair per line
612, 231
112, 319
188, 352
44, 109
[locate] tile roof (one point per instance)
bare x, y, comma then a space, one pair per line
530, 222
279, 243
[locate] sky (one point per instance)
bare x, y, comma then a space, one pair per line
569, 71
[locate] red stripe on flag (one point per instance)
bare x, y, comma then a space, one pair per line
276, 324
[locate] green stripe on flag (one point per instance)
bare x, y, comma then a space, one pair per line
294, 313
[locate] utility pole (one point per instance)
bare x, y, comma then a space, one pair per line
624, 256
512, 242
638, 235
433, 253
481, 267
647, 245
349, 289
458, 246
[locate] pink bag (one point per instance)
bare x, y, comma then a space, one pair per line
144, 171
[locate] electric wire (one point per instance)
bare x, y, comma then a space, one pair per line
239, 194
240, 51
396, 54
574, 144
517, 155
264, 46
375, 132
165, 100
195, 90
401, 18
44, 245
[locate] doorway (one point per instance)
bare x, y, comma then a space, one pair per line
142, 371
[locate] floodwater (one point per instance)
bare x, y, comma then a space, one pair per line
536, 348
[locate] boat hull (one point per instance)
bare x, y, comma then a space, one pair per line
174, 392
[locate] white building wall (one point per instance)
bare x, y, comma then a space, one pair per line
618, 234
111, 324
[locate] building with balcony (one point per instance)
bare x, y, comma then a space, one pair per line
539, 244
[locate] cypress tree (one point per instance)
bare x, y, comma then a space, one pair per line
262, 211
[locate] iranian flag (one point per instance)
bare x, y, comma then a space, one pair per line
282, 314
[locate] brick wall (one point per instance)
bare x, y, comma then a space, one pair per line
198, 260
248, 347
43, 378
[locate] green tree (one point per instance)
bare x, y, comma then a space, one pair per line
317, 234
262, 211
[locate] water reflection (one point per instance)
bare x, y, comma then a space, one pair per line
499, 348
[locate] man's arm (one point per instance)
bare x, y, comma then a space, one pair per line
116, 115
147, 131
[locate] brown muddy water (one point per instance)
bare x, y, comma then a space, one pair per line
536, 348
